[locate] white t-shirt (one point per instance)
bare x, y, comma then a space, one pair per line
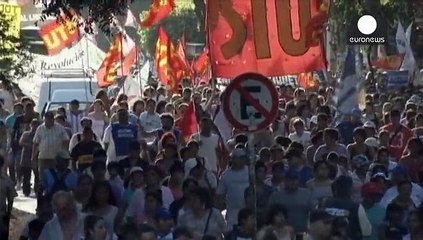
150, 122
391, 193
304, 139
207, 149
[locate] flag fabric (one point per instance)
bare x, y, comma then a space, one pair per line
182, 68
162, 56
188, 124
144, 74
131, 20
347, 89
308, 81
107, 72
272, 43
129, 53
201, 67
60, 34
404, 47
392, 62
401, 39
408, 33
158, 11
315, 27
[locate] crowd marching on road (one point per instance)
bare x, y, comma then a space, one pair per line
128, 171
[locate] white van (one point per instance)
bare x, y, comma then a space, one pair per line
58, 88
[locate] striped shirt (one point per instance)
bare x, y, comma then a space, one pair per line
50, 140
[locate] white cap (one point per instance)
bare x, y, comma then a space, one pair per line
369, 124
372, 142
135, 169
313, 119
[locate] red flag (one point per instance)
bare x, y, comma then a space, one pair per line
60, 34
315, 27
388, 62
188, 124
159, 10
201, 67
307, 81
107, 72
162, 56
183, 69
268, 37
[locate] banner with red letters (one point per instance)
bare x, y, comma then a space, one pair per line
264, 36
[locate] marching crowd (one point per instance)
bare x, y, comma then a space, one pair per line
124, 169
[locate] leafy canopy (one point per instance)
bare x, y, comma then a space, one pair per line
182, 20
14, 55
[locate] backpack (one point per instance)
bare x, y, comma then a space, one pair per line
59, 183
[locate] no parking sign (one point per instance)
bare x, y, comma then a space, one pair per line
250, 102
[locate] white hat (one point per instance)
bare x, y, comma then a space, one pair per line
135, 169
369, 124
372, 142
313, 119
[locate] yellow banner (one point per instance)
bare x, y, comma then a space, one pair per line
12, 12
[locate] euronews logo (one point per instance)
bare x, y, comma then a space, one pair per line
367, 30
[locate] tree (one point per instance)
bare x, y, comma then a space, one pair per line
14, 55
182, 20
102, 12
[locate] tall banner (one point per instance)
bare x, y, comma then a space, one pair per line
12, 12
264, 36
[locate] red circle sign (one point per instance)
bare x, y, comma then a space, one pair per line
250, 102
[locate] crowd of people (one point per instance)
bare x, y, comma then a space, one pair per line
125, 169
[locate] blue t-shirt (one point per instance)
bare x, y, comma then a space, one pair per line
10, 121
123, 136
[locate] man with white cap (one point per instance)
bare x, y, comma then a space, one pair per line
232, 185
370, 128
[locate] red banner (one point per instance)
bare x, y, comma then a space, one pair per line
264, 36
59, 34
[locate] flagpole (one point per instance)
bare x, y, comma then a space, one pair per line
121, 60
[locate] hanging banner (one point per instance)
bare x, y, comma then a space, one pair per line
264, 36
12, 12
84, 55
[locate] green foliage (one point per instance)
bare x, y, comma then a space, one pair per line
183, 19
14, 55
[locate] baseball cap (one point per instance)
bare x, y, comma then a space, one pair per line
163, 213
372, 142
319, 215
135, 169
85, 119
369, 124
371, 188
379, 175
62, 154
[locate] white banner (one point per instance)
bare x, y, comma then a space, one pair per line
84, 55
